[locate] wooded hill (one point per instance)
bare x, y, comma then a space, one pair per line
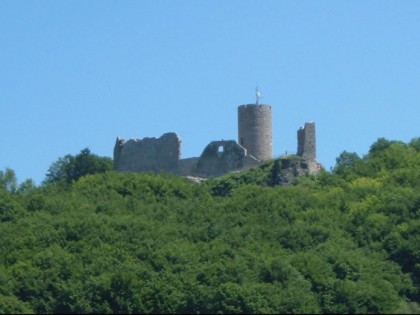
345, 241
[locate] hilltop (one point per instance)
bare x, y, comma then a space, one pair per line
90, 240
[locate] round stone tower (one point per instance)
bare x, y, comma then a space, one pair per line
254, 130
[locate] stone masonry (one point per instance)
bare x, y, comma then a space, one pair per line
148, 154
219, 157
163, 155
307, 142
255, 131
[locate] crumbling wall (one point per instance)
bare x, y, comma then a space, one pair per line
220, 157
307, 142
148, 154
162, 155
186, 166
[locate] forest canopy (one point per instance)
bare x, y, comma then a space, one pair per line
91, 240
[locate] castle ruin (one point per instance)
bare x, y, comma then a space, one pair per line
254, 146
307, 142
254, 130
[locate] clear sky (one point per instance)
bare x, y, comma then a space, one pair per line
77, 74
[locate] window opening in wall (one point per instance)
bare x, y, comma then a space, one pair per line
220, 149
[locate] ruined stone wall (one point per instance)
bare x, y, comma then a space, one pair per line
254, 130
186, 166
148, 154
163, 155
220, 157
307, 142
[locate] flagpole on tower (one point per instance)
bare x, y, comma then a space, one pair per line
258, 95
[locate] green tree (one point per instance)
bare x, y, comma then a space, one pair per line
379, 146
8, 180
70, 168
340, 242
12, 305
346, 163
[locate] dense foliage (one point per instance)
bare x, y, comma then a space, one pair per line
347, 241
70, 168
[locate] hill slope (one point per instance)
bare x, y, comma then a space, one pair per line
340, 242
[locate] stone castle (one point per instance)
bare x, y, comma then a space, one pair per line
254, 147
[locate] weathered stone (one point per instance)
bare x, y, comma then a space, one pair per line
220, 157
162, 155
186, 166
196, 180
307, 142
255, 131
149, 154
291, 167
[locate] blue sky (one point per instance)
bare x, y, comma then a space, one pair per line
77, 74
